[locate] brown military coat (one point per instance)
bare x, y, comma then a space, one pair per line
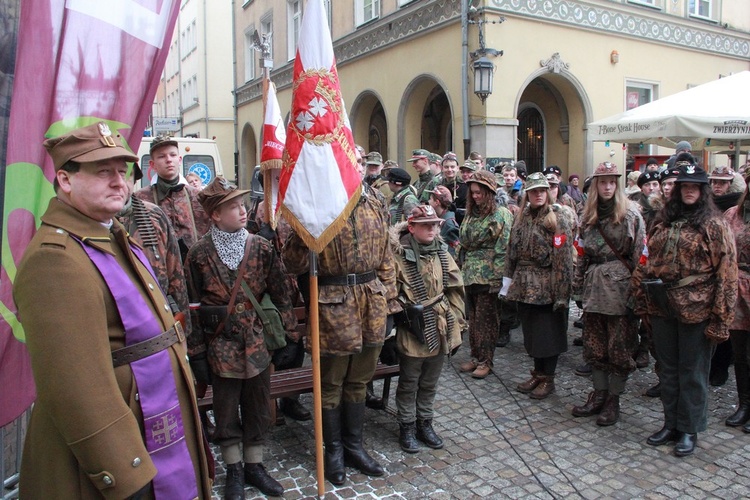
185, 213
741, 230
351, 316
86, 423
210, 282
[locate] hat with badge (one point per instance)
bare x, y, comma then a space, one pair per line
449, 156
423, 214
399, 176
484, 178
552, 179
537, 180
647, 177
435, 158
553, 169
468, 165
606, 168
218, 191
692, 173
669, 173
160, 141
418, 154
93, 143
374, 158
722, 174
443, 195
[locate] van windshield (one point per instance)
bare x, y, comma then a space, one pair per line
203, 165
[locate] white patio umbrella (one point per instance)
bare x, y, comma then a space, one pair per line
709, 115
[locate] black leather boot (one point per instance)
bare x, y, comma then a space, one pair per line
352, 419
427, 435
371, 400
256, 475
663, 436
742, 415
292, 408
335, 471
407, 438
685, 444
234, 488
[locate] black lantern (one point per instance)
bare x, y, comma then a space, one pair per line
484, 71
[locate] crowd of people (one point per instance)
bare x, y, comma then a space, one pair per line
458, 255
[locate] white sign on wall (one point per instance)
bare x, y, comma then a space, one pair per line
166, 124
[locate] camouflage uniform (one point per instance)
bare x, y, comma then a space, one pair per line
186, 215
149, 227
426, 182
482, 249
602, 282
402, 204
420, 367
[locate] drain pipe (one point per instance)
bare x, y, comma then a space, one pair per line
465, 77
235, 115
205, 64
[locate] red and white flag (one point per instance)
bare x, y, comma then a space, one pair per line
274, 137
319, 184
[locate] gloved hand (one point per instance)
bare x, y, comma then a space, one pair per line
267, 232
201, 370
504, 290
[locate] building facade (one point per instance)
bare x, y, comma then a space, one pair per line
406, 70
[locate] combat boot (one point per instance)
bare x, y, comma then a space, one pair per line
407, 438
530, 385
427, 434
234, 488
742, 415
545, 388
257, 475
593, 405
351, 434
610, 412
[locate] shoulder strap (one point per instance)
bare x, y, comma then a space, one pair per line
614, 250
236, 287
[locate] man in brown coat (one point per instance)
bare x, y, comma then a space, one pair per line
109, 421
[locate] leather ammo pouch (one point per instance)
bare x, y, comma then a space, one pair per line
655, 291
212, 317
413, 319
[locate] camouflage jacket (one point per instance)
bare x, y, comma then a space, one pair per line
431, 271
149, 227
402, 204
351, 316
739, 220
681, 250
242, 353
540, 261
426, 182
602, 281
482, 248
185, 213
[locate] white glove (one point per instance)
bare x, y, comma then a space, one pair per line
506, 286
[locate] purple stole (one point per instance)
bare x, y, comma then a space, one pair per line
157, 391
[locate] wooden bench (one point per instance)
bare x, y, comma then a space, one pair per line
295, 381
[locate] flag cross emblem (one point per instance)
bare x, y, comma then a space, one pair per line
318, 102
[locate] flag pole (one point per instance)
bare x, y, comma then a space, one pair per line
315, 341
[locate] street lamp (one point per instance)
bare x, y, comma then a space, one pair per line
484, 71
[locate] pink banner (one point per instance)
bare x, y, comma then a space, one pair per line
77, 62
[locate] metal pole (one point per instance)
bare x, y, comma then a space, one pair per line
315, 341
465, 77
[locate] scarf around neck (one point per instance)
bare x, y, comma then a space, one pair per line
605, 209
229, 246
164, 187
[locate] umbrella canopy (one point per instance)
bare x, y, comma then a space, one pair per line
713, 114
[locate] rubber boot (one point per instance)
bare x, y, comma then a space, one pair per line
407, 437
234, 488
335, 471
742, 415
352, 419
593, 405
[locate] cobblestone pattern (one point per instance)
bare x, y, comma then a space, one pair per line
501, 444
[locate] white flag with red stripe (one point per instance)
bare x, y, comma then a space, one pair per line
319, 184
274, 137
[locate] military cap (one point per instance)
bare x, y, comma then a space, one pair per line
389, 164
442, 194
88, 144
484, 178
449, 156
669, 173
633, 176
692, 173
418, 154
722, 174
553, 169
552, 179
647, 177
399, 176
374, 158
606, 168
160, 141
468, 165
435, 158
218, 191
423, 214
536, 180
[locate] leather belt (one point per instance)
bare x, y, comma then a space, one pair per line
347, 280
148, 347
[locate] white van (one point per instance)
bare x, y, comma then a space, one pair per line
199, 156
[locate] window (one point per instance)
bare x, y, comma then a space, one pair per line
638, 94
365, 11
190, 92
188, 39
329, 13
294, 16
266, 28
401, 3
648, 3
700, 8
251, 54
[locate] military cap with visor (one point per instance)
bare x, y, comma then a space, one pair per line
218, 191
484, 178
722, 173
606, 168
374, 158
536, 180
418, 154
87, 144
161, 141
468, 165
423, 214
442, 194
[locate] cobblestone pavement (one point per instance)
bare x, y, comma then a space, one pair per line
501, 444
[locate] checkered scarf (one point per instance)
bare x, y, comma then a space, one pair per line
229, 246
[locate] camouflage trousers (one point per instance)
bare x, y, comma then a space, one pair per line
483, 323
609, 342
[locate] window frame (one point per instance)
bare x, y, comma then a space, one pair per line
250, 52
359, 12
294, 24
